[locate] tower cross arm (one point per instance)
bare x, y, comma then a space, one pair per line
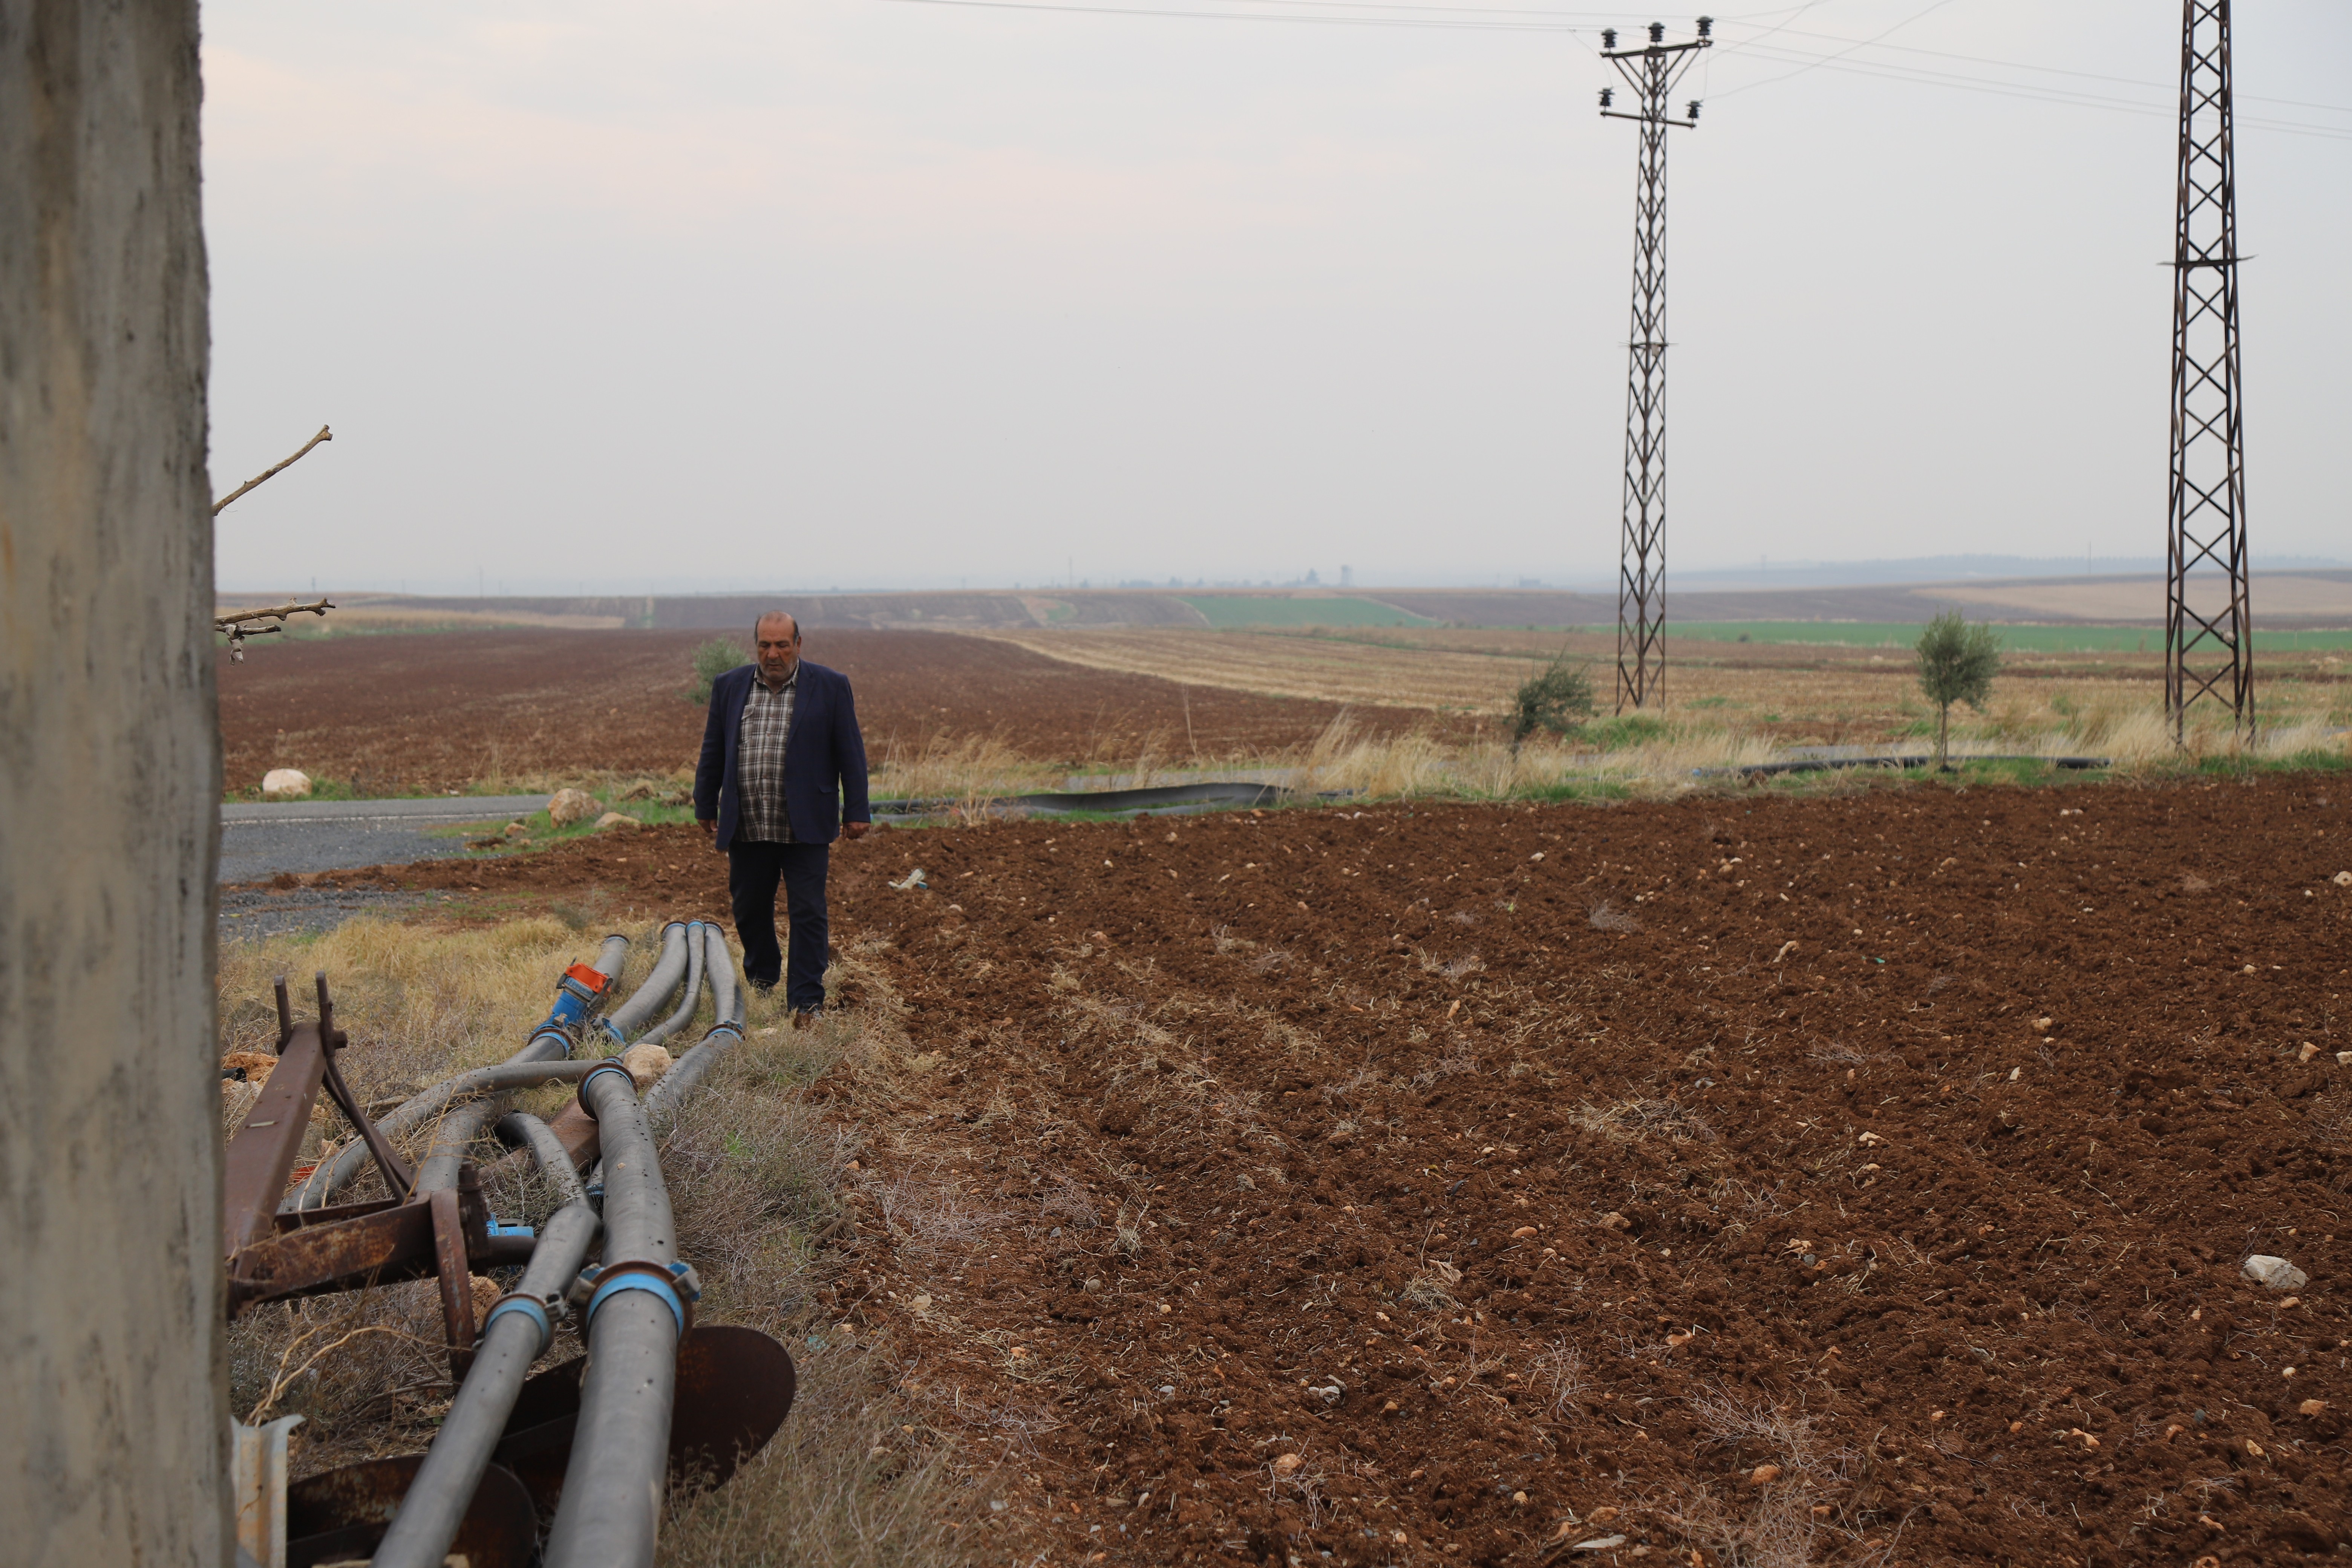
1648, 50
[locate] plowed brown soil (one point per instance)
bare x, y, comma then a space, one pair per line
1840, 1180
394, 714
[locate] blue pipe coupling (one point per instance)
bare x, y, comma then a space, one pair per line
540, 1310
675, 1284
578, 996
598, 1071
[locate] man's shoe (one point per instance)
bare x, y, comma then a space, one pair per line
807, 1018
763, 986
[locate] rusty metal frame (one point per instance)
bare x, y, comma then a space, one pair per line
316, 1252
276, 1257
2207, 656
261, 1156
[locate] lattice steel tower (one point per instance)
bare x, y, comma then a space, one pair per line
1650, 73
2207, 655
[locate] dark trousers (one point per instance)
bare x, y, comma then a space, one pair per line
753, 869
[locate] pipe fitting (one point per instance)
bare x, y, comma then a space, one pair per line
675, 1284
596, 1072
540, 1310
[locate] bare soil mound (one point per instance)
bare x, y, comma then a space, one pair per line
391, 714
1855, 1179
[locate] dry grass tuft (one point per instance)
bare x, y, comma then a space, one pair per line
1557, 1376
1630, 1121
841, 1486
1419, 763
1783, 1501
967, 769
419, 1003
1431, 1288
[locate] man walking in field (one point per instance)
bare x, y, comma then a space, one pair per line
782, 773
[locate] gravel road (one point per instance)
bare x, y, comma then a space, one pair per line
261, 838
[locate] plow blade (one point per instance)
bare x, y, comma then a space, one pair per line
338, 1516
734, 1389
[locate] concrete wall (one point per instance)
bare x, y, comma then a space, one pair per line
113, 1391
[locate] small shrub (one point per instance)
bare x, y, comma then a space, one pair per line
711, 660
1558, 698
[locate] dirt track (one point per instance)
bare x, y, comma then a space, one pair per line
1528, 1133
392, 714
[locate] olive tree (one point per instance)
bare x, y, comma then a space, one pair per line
1957, 664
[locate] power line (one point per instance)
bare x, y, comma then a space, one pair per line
1237, 15
2016, 65
1594, 16
2033, 93
1435, 11
1440, 18
1863, 44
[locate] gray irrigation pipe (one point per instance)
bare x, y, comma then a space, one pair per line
452, 1138
693, 997
727, 993
612, 1486
1824, 765
659, 985
517, 1330
546, 1150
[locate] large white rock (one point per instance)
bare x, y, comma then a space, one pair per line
2276, 1273
285, 783
567, 806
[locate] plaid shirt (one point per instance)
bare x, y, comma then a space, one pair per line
766, 729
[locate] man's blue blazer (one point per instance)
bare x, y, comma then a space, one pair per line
824, 760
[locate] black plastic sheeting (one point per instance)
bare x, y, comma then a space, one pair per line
1166, 797
1822, 764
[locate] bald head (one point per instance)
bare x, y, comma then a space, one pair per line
777, 636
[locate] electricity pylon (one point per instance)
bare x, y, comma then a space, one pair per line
1650, 73
2207, 656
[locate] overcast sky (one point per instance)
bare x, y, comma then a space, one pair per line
874, 293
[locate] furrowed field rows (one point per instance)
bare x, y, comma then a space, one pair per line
1858, 1178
